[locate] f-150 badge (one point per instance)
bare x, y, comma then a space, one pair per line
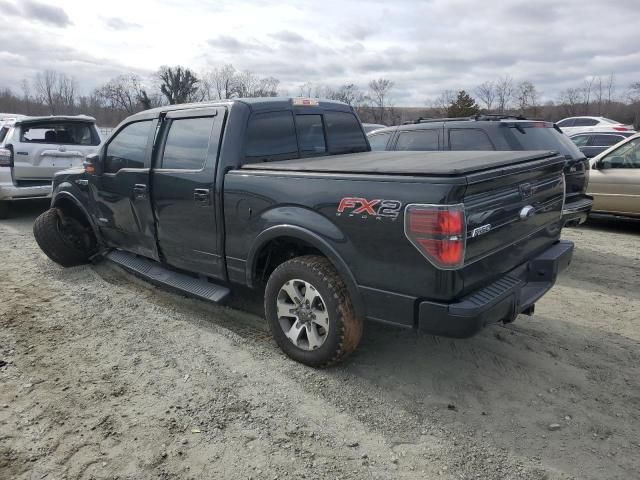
365, 208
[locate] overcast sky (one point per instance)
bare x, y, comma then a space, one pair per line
423, 46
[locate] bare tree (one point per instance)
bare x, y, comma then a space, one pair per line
586, 93
570, 100
248, 84
123, 93
379, 92
527, 97
267, 87
611, 88
179, 84
221, 83
504, 92
348, 93
486, 93
56, 90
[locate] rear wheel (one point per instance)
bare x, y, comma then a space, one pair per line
64, 239
310, 312
4, 210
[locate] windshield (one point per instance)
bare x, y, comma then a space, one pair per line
542, 138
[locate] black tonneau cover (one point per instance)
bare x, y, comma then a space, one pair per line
406, 163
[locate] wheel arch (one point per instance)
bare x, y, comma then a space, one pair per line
305, 236
64, 199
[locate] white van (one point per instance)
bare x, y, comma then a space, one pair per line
33, 149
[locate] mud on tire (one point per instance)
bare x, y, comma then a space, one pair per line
345, 326
56, 242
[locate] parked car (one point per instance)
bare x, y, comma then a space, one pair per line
615, 179
495, 132
255, 191
573, 125
370, 127
9, 118
594, 143
33, 149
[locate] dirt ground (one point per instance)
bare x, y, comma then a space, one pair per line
104, 376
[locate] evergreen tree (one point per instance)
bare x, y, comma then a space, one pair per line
463, 106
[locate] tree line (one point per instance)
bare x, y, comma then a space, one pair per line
54, 93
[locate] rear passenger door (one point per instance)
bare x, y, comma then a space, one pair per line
183, 180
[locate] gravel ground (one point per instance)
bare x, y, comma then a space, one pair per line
104, 376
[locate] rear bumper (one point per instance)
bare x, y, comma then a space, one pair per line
514, 293
10, 191
577, 209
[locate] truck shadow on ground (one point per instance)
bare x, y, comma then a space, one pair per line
609, 223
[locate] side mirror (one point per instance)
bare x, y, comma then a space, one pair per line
92, 164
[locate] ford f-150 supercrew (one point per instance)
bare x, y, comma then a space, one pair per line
284, 196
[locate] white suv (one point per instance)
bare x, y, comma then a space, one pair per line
573, 125
33, 149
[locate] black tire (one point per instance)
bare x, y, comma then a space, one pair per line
4, 210
345, 327
48, 231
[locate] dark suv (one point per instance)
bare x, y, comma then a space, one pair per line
494, 132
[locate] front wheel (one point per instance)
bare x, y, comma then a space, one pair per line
65, 240
310, 312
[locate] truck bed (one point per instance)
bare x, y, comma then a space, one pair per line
407, 163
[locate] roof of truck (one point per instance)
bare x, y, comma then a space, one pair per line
445, 163
257, 103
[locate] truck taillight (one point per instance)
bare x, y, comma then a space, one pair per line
438, 232
6, 157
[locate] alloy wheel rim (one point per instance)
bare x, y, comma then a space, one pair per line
302, 314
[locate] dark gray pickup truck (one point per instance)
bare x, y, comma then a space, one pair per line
284, 196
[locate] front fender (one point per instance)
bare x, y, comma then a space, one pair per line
68, 192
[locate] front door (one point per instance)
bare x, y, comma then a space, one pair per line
183, 180
614, 181
121, 192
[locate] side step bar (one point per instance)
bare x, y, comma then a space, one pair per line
156, 273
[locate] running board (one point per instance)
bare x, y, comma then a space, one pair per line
156, 273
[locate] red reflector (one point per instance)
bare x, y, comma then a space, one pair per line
438, 232
620, 129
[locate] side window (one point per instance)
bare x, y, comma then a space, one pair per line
605, 140
344, 133
581, 140
3, 133
310, 135
128, 148
379, 141
585, 122
422, 140
625, 156
187, 143
566, 123
469, 139
271, 136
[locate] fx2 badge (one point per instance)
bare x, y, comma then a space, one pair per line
365, 208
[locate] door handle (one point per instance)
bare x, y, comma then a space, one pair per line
140, 191
201, 195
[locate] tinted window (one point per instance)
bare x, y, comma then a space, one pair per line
3, 133
542, 138
585, 122
418, 140
187, 143
128, 148
379, 141
72, 133
344, 133
566, 123
271, 136
469, 139
580, 140
606, 140
310, 135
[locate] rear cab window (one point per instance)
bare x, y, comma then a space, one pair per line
60, 133
284, 135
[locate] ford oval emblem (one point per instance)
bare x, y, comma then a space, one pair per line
527, 212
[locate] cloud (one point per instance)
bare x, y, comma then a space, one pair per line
116, 23
45, 13
233, 45
288, 36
